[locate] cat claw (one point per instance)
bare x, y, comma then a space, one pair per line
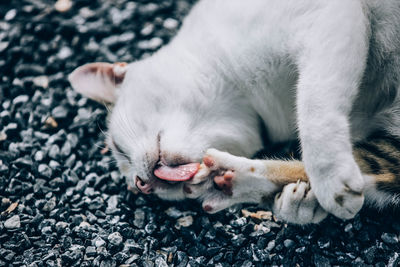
297, 204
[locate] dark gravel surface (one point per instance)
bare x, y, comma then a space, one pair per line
64, 203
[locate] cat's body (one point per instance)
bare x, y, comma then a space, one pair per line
224, 41
327, 70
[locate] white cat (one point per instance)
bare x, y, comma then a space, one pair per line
326, 72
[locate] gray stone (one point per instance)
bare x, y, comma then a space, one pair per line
151, 44
91, 251
13, 222
115, 238
98, 242
39, 155
59, 112
139, 218
112, 202
390, 238
45, 170
64, 53
170, 24
50, 205
54, 151
20, 99
288, 243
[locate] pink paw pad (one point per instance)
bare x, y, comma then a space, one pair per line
208, 161
224, 182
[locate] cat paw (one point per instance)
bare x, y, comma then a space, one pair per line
203, 181
297, 204
343, 197
226, 171
221, 181
224, 182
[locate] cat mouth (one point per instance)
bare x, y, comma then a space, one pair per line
179, 173
167, 176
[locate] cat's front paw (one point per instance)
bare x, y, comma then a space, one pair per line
223, 180
228, 173
342, 192
297, 204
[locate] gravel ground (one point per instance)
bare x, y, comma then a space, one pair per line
63, 201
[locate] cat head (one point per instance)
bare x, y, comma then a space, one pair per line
164, 113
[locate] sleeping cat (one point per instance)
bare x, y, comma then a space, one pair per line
326, 72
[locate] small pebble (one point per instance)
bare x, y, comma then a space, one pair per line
151, 44
271, 245
147, 30
98, 242
20, 99
41, 81
13, 222
289, 243
90, 251
64, 53
139, 216
45, 170
39, 155
63, 5
10, 14
170, 24
115, 238
51, 122
185, 221
390, 238
174, 212
59, 112
3, 136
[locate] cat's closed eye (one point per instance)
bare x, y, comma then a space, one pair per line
117, 148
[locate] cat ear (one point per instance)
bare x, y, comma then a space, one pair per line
99, 81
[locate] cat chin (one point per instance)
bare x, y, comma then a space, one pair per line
171, 194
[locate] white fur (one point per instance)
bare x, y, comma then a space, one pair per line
304, 68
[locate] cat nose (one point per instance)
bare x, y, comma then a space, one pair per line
143, 187
172, 159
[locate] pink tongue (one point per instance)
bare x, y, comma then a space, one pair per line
178, 173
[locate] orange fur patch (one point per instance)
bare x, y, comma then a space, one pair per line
285, 172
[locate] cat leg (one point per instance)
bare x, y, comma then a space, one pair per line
228, 180
224, 180
331, 64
